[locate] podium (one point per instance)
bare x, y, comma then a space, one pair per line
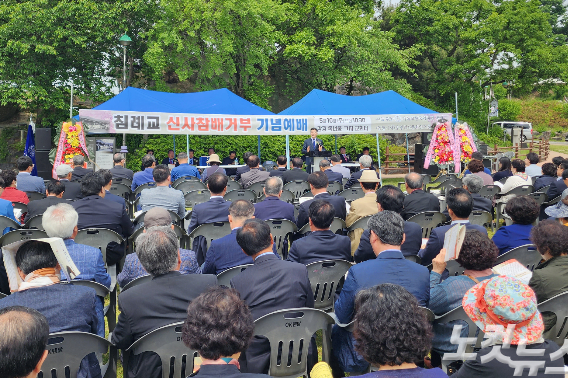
318, 156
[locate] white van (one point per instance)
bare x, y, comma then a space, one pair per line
508, 125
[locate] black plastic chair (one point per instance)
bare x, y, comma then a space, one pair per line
182, 179
123, 190
240, 194
489, 191
334, 188
360, 223
7, 222
287, 196
136, 282
281, 230
298, 188
224, 278
414, 258
544, 189
428, 220
35, 196
523, 190
233, 185
140, 188
481, 218
352, 194
176, 219
257, 188
324, 278
196, 197
123, 181
539, 197
526, 254
559, 306
190, 185
35, 222
210, 231
21, 234
180, 233
20, 206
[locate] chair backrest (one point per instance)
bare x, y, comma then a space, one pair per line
182, 179
7, 222
489, 191
289, 333
35, 222
414, 258
337, 225
190, 185
34, 196
334, 187
147, 185
166, 342
180, 233
240, 194
480, 217
539, 197
20, 206
67, 349
428, 220
553, 201
101, 290
233, 185
136, 282
559, 306
224, 278
98, 238
453, 267
430, 316
360, 223
123, 181
344, 180
257, 188
324, 277
523, 190
504, 179
440, 179
352, 194
287, 196
210, 231
21, 234
544, 189
120, 190
526, 254
280, 230
459, 314
196, 197
298, 187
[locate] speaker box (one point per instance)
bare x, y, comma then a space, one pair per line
43, 139
418, 158
44, 167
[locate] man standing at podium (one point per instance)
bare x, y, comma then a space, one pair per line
310, 145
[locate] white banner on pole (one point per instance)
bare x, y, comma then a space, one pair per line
111, 121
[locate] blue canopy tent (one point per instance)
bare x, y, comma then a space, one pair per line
319, 102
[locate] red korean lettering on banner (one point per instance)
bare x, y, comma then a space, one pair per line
245, 124
188, 124
217, 124
173, 124
232, 123
202, 123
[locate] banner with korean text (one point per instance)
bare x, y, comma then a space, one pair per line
111, 121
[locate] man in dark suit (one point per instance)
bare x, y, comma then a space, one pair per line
214, 210
157, 303
365, 162
170, 159
318, 185
254, 174
296, 173
281, 162
417, 200
460, 206
390, 266
225, 253
325, 167
473, 185
310, 145
391, 198
558, 186
343, 155
107, 182
72, 189
96, 212
272, 207
118, 170
267, 286
321, 243
78, 171
244, 169
54, 192
230, 160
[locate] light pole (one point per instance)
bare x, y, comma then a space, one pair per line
124, 41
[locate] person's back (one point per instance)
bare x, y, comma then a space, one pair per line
55, 190
162, 195
272, 207
417, 200
547, 178
318, 186
119, 170
184, 169
146, 174
78, 170
296, 173
26, 182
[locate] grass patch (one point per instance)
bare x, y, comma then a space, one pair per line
563, 149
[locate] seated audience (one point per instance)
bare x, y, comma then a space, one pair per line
191, 159
60, 221
547, 178
504, 301
162, 195
6, 207
504, 169
214, 167
23, 342
318, 186
365, 162
184, 169
519, 178
231, 160
219, 326
523, 211
267, 286
146, 174
343, 155
107, 183
210, 151
391, 198
478, 156
473, 185
321, 244
224, 252
296, 173
159, 302
119, 169
272, 207
362, 207
560, 210
550, 277
332, 176
417, 200
72, 189
460, 206
55, 190
336, 166
254, 174
477, 256
561, 184
27, 182
170, 159
66, 307
531, 167
390, 266
10, 192
392, 333
281, 163
557, 160
78, 171
245, 168
476, 167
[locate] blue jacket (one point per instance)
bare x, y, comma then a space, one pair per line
512, 236
142, 177
274, 208
389, 267
333, 176
7, 210
556, 188
114, 198
337, 202
28, 183
436, 241
214, 210
319, 246
543, 181
485, 169
89, 261
184, 170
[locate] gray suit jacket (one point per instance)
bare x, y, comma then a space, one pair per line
253, 176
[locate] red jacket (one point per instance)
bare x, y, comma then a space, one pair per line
15, 195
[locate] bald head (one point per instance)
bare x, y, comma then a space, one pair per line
413, 181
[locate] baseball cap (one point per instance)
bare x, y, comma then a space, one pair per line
157, 216
63, 170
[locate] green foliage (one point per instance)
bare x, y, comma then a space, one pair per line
500, 92
509, 110
7, 143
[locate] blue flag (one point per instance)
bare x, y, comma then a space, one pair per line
30, 148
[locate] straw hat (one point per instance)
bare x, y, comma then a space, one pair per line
369, 176
214, 158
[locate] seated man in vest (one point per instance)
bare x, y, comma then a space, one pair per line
163, 195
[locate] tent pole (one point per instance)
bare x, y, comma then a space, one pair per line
259, 146
187, 144
407, 153
174, 139
336, 144
379, 155
288, 151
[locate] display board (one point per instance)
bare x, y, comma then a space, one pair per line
102, 150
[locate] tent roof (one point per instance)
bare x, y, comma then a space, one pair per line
219, 101
321, 102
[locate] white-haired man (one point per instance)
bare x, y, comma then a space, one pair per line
365, 162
